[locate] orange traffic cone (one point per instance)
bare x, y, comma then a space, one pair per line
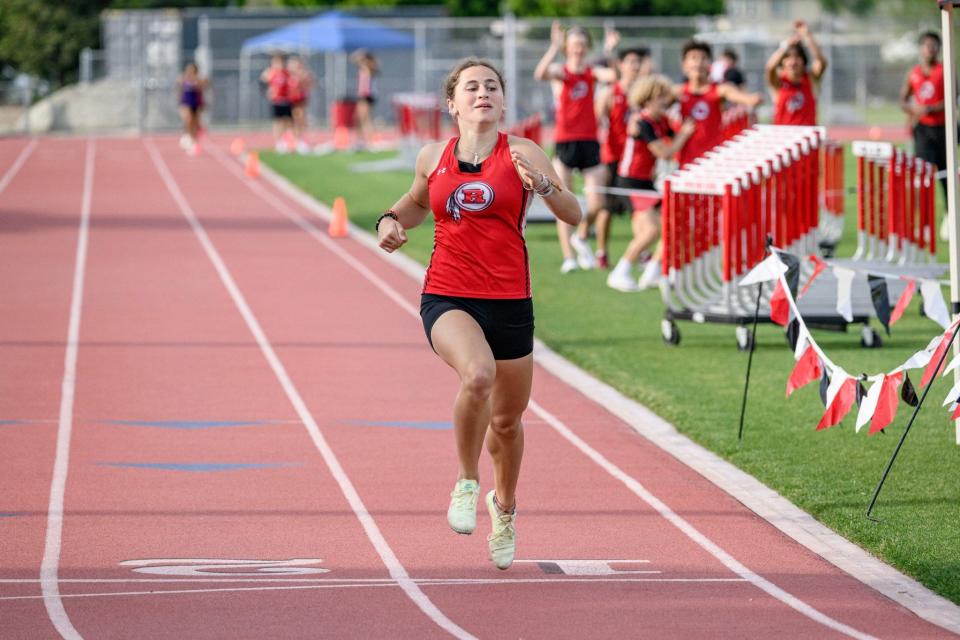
252, 168
338, 219
237, 146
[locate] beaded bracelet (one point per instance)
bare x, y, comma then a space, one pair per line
388, 214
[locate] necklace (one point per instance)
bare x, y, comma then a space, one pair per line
476, 154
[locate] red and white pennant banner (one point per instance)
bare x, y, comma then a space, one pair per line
878, 405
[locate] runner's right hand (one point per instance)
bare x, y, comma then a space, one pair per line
391, 235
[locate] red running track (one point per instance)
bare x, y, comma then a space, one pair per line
255, 444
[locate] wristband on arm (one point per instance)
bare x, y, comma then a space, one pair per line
388, 214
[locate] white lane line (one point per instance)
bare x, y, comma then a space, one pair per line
392, 583
685, 527
51, 553
17, 164
363, 580
397, 571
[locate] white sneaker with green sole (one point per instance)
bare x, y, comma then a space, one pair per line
502, 541
462, 513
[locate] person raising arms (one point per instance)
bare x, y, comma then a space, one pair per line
476, 305
575, 136
612, 107
702, 100
792, 85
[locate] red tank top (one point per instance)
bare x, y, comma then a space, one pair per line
612, 148
638, 162
796, 104
576, 119
278, 81
705, 110
929, 90
478, 249
295, 89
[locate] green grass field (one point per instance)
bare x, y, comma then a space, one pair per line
697, 386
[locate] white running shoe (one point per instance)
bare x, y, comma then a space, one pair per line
569, 264
585, 257
185, 142
303, 148
281, 147
650, 276
622, 282
462, 513
502, 540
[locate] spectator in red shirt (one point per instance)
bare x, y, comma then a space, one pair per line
792, 85
924, 84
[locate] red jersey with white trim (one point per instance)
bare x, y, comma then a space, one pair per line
705, 110
638, 162
928, 89
576, 118
479, 249
796, 102
278, 86
612, 148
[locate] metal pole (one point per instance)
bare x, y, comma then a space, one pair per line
886, 472
86, 65
950, 110
510, 66
752, 346
420, 56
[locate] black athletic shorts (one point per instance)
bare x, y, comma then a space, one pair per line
282, 111
579, 154
615, 204
930, 144
506, 324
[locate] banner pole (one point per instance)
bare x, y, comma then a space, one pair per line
950, 113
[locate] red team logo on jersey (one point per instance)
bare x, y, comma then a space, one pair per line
580, 90
470, 196
700, 111
795, 103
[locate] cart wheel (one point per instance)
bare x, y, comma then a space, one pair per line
744, 338
870, 339
670, 332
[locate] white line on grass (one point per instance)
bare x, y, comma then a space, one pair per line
631, 483
51, 553
397, 571
15, 167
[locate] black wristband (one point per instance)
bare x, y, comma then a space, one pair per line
388, 214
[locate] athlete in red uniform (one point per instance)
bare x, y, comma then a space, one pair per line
702, 101
791, 84
300, 83
924, 84
277, 80
649, 139
613, 109
367, 69
575, 136
476, 305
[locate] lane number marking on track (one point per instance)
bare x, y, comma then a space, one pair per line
221, 566
587, 567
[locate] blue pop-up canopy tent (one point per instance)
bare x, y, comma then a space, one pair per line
332, 32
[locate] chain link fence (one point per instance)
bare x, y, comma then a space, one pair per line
145, 51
